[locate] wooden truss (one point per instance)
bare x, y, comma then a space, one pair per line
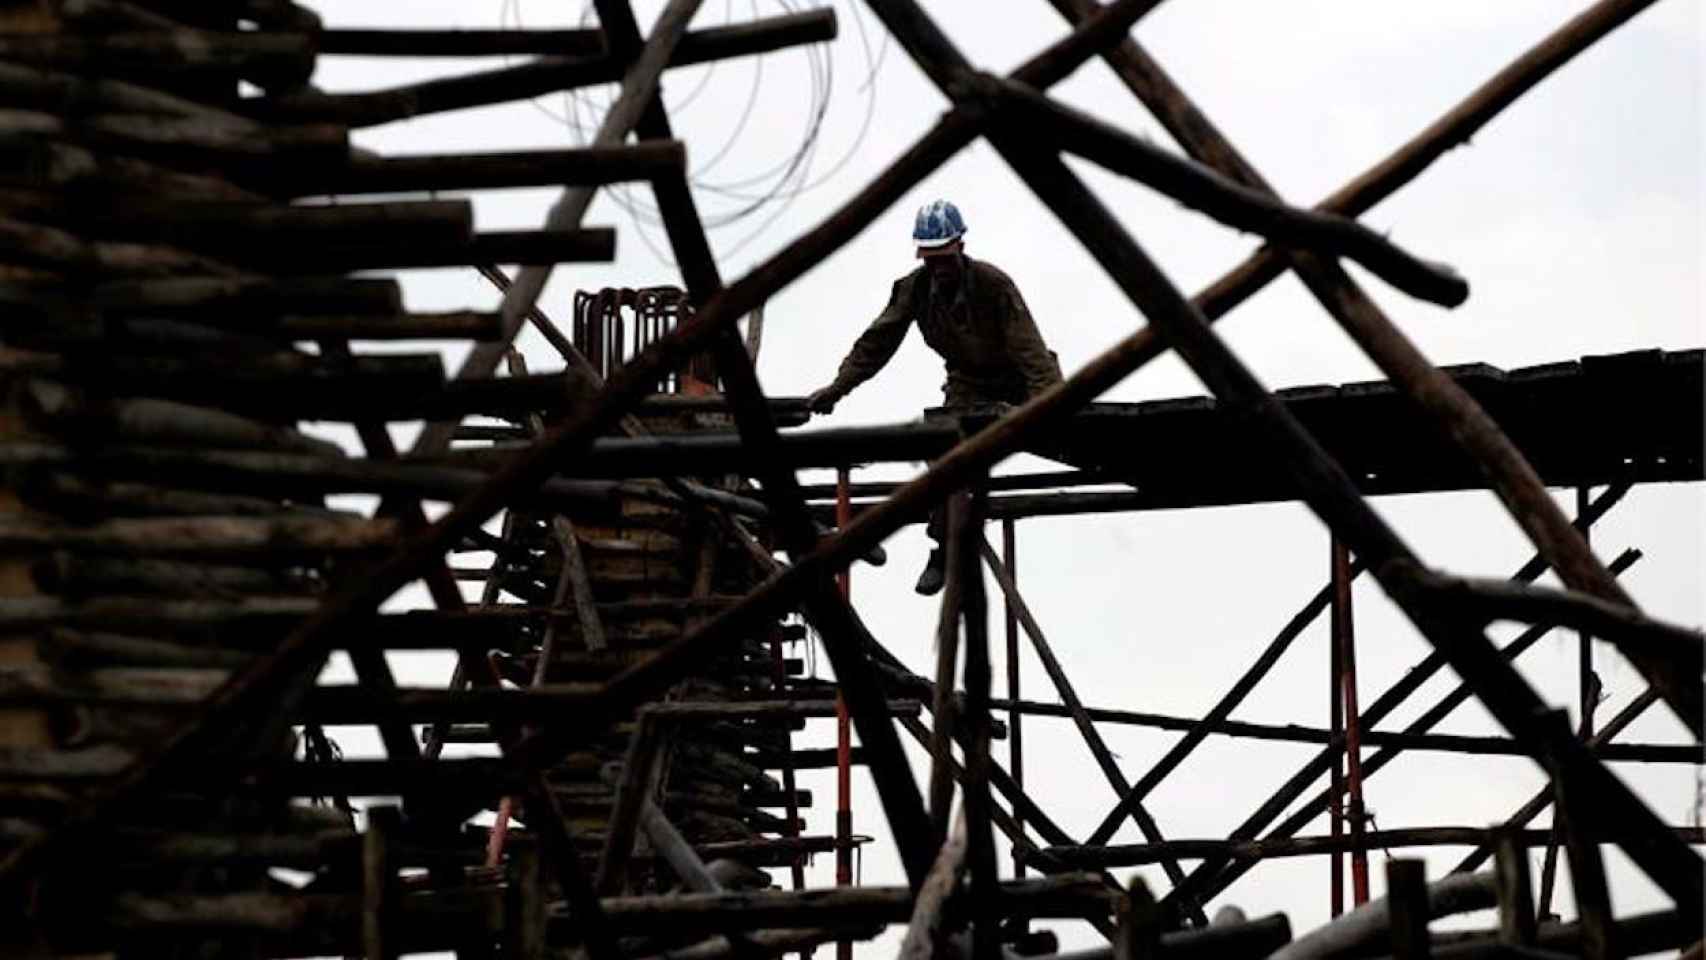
168, 515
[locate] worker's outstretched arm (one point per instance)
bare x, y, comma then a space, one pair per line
873, 349
1036, 362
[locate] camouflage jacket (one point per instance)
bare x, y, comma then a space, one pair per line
981, 328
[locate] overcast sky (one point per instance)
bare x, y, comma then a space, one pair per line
1576, 217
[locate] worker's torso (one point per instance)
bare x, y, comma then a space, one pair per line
966, 322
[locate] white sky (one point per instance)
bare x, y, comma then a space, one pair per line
1576, 217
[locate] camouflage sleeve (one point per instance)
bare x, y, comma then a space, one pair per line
879, 341
1036, 362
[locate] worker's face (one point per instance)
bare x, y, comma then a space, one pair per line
943, 262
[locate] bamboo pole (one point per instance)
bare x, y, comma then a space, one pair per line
1330, 491
1225, 199
1453, 411
1401, 740
942, 712
542, 76
1456, 127
1215, 875
844, 637
1200, 729
1086, 728
1549, 866
1545, 796
1407, 895
1344, 635
638, 86
985, 878
1370, 924
1587, 868
1015, 728
1270, 848
926, 934
1517, 921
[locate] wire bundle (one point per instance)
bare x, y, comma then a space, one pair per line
766, 193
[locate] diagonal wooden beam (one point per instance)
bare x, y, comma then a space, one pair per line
1544, 797
543, 75
1080, 718
1216, 875
639, 90
926, 933
1452, 410
1224, 199
826, 608
268, 681
1328, 490
1145, 78
1219, 712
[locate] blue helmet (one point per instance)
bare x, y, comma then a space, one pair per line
938, 224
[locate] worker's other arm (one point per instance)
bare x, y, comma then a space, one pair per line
1036, 362
872, 350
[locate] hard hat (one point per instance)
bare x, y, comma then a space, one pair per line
938, 224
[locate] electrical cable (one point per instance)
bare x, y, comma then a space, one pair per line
763, 195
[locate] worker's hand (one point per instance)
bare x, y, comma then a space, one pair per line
823, 401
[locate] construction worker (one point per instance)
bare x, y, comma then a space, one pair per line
970, 313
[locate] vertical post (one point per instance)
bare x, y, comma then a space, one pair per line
1549, 866
980, 840
943, 706
377, 886
639, 772
1015, 717
779, 676
1335, 730
843, 730
1516, 900
527, 902
1584, 660
1344, 635
1587, 874
1138, 919
1407, 900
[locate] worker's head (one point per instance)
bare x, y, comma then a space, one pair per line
943, 262
938, 229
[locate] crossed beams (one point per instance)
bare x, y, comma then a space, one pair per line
1332, 495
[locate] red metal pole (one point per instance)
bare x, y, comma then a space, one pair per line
1344, 636
843, 734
